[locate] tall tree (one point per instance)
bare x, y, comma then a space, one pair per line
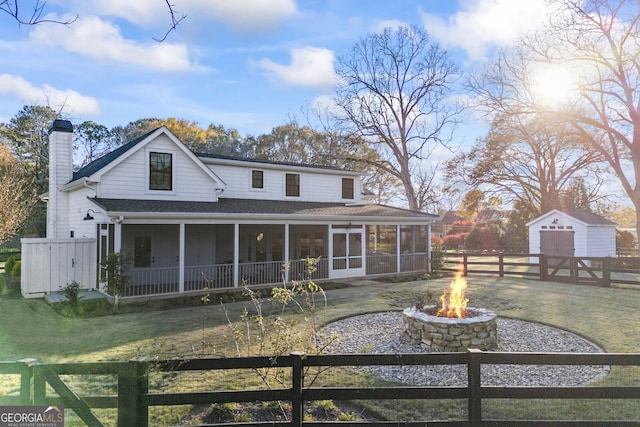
598, 43
27, 135
529, 158
393, 94
17, 195
92, 141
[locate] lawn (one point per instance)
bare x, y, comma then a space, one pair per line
30, 328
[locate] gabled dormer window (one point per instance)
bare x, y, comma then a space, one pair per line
347, 188
160, 171
292, 185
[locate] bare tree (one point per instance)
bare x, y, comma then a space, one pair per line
34, 15
599, 42
527, 158
393, 94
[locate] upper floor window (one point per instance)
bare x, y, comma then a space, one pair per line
347, 188
257, 179
160, 171
292, 185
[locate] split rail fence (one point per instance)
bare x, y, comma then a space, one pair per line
135, 393
599, 271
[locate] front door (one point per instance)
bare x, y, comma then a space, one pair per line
347, 249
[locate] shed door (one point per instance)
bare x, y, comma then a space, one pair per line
558, 243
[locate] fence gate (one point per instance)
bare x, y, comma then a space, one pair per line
50, 264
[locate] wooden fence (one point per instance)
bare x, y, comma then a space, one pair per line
599, 271
50, 384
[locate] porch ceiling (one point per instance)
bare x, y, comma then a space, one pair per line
259, 208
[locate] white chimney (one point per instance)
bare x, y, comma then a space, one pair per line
60, 173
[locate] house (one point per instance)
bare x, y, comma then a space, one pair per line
187, 222
573, 233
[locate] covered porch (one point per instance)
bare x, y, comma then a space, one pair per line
180, 258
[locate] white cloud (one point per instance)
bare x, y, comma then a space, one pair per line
241, 15
70, 101
310, 66
480, 25
92, 37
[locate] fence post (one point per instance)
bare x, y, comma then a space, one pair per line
133, 386
39, 386
297, 383
606, 271
465, 267
501, 264
544, 267
474, 382
26, 375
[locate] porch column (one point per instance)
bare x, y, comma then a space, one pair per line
398, 239
181, 259
117, 238
286, 252
236, 254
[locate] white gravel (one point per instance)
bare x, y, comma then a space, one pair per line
381, 333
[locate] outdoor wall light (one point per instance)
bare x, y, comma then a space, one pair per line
88, 216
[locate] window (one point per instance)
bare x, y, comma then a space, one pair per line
160, 171
347, 188
292, 182
257, 179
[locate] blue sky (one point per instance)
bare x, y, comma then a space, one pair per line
246, 64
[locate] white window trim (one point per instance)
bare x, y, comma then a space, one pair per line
174, 168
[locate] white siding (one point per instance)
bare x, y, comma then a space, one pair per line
129, 179
314, 186
602, 241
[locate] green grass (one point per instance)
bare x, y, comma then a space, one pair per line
32, 329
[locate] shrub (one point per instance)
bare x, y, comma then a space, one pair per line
72, 292
454, 241
8, 266
485, 237
16, 271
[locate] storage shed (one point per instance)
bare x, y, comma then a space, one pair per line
572, 233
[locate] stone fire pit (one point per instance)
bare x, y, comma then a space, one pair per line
477, 330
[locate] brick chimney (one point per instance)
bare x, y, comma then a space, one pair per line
60, 173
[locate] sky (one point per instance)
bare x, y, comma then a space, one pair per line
249, 65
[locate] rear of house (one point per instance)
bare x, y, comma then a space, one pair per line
186, 222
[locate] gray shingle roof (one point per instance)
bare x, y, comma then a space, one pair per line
587, 217
257, 207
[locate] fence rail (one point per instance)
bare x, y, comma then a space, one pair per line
600, 271
48, 384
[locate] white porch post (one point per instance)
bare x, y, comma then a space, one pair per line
398, 238
181, 259
236, 254
117, 238
287, 258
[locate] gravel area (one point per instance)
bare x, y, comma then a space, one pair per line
380, 333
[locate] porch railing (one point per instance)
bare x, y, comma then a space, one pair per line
201, 277
150, 281
261, 273
298, 270
382, 263
413, 262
